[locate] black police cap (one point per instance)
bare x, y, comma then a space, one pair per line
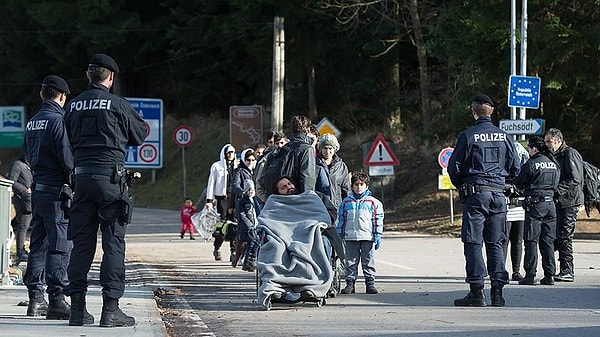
536, 141
483, 99
105, 61
57, 83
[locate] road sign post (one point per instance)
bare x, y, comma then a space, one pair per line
444, 182
183, 137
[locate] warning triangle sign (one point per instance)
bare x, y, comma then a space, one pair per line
380, 154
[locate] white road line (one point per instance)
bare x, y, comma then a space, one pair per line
395, 265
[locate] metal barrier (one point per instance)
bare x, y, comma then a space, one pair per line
5, 201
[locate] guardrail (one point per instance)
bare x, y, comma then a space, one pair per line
5, 202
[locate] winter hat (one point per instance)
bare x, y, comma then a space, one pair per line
329, 139
248, 185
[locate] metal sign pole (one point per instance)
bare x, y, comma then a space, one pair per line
184, 173
451, 208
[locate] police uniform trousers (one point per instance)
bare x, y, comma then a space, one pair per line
49, 248
96, 205
540, 228
565, 228
484, 222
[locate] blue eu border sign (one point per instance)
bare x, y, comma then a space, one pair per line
524, 92
149, 155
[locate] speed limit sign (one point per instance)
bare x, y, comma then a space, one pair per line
183, 136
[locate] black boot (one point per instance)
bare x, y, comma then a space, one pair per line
474, 298
370, 283
37, 307
497, 299
112, 316
58, 308
79, 313
349, 288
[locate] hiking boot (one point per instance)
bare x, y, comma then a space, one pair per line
370, 283
564, 277
37, 307
217, 255
112, 316
547, 281
349, 288
58, 308
474, 298
497, 299
516, 276
79, 314
528, 281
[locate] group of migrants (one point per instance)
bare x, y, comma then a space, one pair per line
487, 166
308, 164
70, 182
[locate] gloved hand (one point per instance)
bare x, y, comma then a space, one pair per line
377, 241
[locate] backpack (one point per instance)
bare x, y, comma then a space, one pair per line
277, 163
591, 187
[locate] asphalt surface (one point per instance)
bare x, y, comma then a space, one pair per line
418, 277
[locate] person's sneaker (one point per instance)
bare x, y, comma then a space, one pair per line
37, 307
547, 281
528, 281
517, 276
248, 268
58, 309
181, 235
192, 238
217, 255
564, 278
308, 294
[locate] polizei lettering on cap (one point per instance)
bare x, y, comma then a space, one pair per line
489, 137
91, 104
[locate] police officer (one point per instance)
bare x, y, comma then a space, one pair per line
539, 179
483, 158
569, 197
46, 148
100, 125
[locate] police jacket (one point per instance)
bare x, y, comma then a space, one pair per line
47, 147
305, 171
570, 185
538, 177
21, 174
335, 183
100, 125
484, 155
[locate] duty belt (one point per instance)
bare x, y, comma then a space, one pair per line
470, 189
537, 198
47, 188
94, 170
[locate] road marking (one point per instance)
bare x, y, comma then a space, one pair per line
395, 265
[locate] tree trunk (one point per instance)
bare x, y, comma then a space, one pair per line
423, 67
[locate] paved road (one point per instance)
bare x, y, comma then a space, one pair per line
419, 276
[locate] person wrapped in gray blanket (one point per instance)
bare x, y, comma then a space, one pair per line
293, 261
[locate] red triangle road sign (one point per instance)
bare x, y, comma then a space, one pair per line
380, 154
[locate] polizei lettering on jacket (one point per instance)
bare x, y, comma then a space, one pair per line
489, 137
545, 166
91, 104
39, 124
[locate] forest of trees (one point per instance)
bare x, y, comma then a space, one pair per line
403, 66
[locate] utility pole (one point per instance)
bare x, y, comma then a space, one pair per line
278, 74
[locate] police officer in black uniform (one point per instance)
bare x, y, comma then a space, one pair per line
46, 148
100, 125
569, 198
539, 179
483, 158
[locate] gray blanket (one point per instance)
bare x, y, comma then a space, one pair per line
292, 256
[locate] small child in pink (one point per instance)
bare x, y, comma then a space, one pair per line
187, 211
